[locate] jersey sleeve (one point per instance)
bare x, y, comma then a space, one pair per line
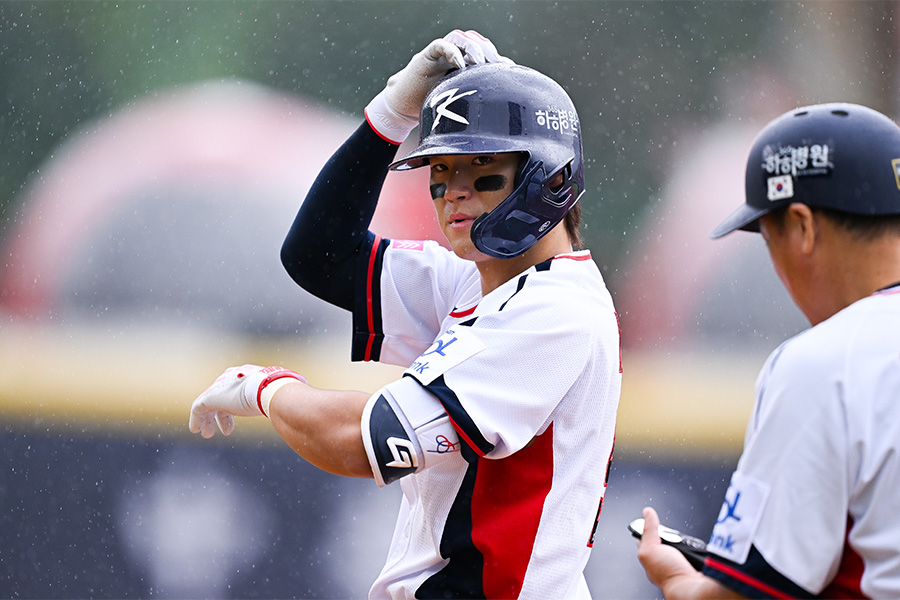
783, 522
403, 290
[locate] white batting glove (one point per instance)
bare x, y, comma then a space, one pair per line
244, 391
394, 112
477, 49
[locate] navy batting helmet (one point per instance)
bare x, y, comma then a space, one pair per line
844, 157
497, 108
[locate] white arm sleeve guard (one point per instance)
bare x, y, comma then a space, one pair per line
404, 439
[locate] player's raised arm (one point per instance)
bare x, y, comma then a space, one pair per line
321, 248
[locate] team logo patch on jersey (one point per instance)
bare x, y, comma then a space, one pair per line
739, 518
453, 347
416, 246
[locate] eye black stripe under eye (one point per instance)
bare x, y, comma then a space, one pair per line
438, 190
490, 183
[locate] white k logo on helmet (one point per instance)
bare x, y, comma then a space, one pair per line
443, 111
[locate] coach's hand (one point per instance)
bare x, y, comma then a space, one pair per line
394, 112
670, 571
244, 391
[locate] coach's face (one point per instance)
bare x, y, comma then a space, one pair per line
464, 187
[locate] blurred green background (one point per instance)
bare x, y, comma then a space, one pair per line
639, 72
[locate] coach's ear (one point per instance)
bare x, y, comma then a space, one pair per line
801, 225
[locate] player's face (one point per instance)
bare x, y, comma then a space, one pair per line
464, 187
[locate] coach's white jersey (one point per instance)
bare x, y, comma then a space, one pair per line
813, 506
502, 427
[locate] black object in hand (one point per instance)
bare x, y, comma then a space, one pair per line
694, 549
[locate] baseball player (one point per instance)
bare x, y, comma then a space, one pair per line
812, 508
501, 429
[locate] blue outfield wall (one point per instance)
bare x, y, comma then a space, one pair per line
100, 514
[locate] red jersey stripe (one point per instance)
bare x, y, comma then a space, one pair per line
465, 437
370, 314
573, 256
458, 314
744, 578
507, 504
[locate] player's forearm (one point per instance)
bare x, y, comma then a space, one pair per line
323, 426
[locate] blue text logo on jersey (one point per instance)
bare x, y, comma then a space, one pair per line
724, 543
438, 347
728, 511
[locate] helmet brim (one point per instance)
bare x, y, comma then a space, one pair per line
745, 218
445, 145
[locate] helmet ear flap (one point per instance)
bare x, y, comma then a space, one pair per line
528, 213
511, 228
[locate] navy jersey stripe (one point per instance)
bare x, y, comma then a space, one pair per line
475, 444
368, 333
753, 579
461, 577
519, 285
544, 266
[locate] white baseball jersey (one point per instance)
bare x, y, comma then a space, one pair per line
502, 427
813, 506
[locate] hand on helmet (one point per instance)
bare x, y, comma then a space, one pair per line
244, 391
476, 48
394, 112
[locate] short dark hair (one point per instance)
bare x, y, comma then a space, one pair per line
573, 226
861, 227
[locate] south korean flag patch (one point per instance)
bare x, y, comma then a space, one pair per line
781, 187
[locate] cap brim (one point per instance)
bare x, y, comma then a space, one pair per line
745, 218
450, 145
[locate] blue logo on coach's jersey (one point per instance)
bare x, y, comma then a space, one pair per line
729, 508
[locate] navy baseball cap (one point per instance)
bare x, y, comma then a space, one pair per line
840, 156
